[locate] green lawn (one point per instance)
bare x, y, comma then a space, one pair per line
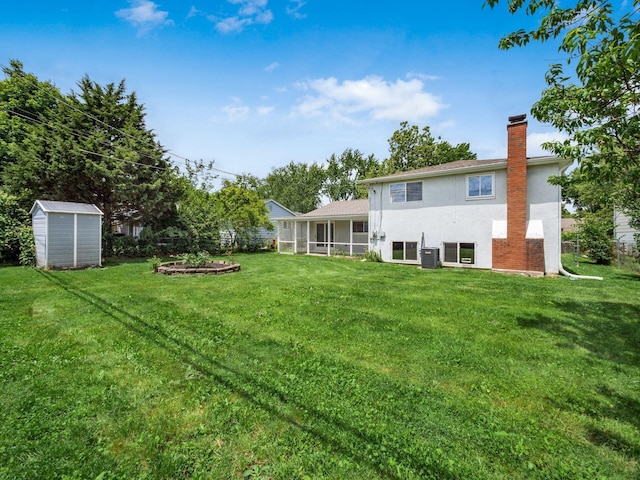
312, 367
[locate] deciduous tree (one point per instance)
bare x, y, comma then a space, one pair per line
411, 148
594, 93
240, 211
297, 186
343, 173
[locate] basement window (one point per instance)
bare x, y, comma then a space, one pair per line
480, 186
463, 253
405, 251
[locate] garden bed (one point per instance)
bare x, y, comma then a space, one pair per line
210, 268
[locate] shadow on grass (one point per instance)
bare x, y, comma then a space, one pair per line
609, 332
338, 435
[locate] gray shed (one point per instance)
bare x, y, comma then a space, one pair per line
67, 234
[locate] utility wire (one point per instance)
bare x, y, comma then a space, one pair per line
111, 127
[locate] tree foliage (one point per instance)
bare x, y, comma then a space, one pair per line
13, 219
90, 146
241, 212
297, 186
597, 103
343, 173
411, 148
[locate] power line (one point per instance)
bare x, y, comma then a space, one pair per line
111, 127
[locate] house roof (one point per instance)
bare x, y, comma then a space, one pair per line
460, 166
345, 208
66, 207
271, 200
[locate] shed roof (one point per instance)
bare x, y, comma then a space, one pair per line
66, 207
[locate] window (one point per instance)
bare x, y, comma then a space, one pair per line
480, 186
404, 251
406, 192
464, 253
360, 227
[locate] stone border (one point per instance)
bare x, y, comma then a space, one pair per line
212, 268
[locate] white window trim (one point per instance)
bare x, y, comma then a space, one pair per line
480, 197
404, 252
458, 263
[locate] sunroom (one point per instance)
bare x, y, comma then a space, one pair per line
340, 228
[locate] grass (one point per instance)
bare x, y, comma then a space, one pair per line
311, 367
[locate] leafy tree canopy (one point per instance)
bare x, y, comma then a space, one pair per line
411, 148
89, 146
297, 186
597, 103
241, 211
343, 173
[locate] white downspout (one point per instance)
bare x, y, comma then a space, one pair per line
574, 276
561, 269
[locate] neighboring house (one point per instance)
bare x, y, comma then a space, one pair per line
67, 234
623, 232
340, 228
494, 214
127, 227
569, 225
276, 211
263, 237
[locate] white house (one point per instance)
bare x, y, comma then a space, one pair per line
623, 232
340, 228
499, 214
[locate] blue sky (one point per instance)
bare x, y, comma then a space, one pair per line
255, 84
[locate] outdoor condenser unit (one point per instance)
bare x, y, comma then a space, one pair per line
430, 257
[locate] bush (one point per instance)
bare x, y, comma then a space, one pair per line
195, 260
373, 256
27, 255
13, 219
595, 237
124, 246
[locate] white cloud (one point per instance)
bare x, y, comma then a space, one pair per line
535, 141
251, 12
381, 100
264, 110
144, 15
271, 67
423, 76
294, 7
236, 111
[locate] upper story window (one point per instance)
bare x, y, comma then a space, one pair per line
480, 186
406, 192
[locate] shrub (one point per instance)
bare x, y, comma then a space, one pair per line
595, 237
27, 255
12, 219
195, 260
373, 256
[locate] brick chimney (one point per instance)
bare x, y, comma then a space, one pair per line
515, 253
